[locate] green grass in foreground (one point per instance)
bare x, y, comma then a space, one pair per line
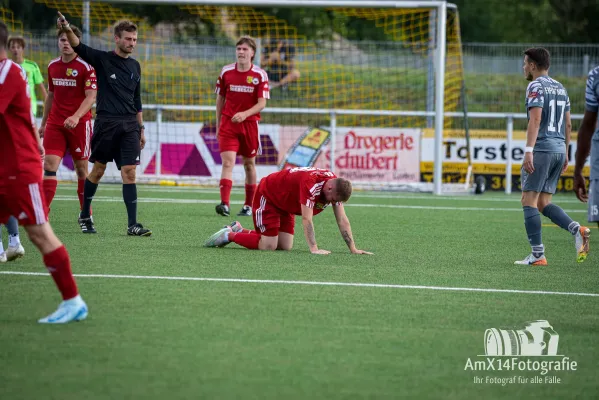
157, 338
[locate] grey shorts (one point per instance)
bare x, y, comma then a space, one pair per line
548, 168
594, 201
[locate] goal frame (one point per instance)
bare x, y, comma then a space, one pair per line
440, 41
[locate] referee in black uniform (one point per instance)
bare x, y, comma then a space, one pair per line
118, 129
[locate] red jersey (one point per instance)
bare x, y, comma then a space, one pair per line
242, 89
291, 188
19, 155
68, 82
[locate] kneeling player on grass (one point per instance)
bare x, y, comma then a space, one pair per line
281, 196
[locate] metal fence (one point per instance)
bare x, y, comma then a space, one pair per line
359, 75
567, 60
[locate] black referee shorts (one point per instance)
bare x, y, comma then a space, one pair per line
116, 139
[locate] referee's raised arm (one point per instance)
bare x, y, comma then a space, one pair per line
88, 54
64, 25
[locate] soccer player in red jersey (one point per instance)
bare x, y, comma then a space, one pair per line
241, 93
66, 123
20, 181
281, 196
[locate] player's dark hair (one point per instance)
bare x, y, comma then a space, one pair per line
18, 40
540, 56
249, 41
3, 35
75, 30
124, 26
343, 188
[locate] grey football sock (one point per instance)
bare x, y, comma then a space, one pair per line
13, 232
560, 218
532, 223
12, 226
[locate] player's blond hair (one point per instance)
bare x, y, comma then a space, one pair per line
343, 188
249, 41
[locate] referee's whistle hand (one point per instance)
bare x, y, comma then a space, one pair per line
142, 142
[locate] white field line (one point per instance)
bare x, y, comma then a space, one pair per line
367, 195
216, 201
310, 283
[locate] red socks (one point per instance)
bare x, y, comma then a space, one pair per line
80, 186
250, 190
59, 266
49, 188
225, 190
248, 240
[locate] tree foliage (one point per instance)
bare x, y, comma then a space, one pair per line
508, 21
541, 21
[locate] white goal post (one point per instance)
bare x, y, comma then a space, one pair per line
439, 53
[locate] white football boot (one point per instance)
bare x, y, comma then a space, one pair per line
219, 239
70, 310
15, 252
532, 260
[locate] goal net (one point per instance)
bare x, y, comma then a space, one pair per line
365, 109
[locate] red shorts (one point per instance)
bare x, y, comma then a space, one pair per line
242, 138
57, 139
25, 201
270, 220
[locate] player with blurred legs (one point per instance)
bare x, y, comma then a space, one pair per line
35, 81
66, 123
21, 181
545, 156
15, 248
280, 197
589, 143
241, 93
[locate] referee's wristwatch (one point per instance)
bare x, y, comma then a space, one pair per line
142, 127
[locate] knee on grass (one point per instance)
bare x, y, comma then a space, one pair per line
268, 243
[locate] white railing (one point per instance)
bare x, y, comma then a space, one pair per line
333, 113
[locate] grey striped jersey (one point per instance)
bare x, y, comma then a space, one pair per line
592, 104
552, 97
